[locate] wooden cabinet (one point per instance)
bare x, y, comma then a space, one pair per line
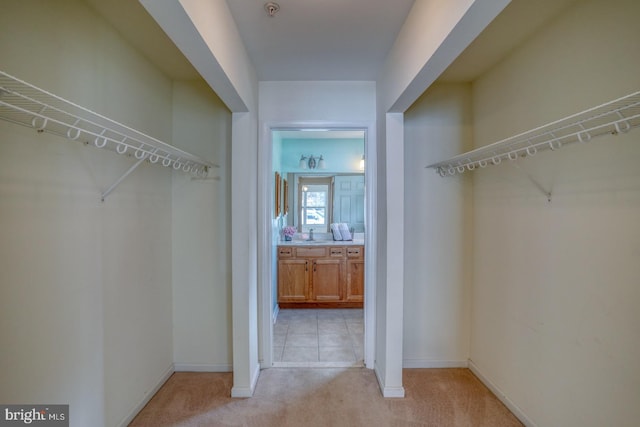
327, 280
293, 280
355, 274
320, 276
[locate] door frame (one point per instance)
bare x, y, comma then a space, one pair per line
268, 239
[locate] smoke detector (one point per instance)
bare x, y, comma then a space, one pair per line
272, 8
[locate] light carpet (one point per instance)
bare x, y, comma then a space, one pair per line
327, 397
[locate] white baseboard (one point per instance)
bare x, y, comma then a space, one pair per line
501, 396
391, 392
434, 364
196, 367
247, 391
147, 397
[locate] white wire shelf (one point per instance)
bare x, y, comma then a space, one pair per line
30, 106
614, 117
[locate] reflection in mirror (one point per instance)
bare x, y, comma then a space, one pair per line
314, 197
323, 191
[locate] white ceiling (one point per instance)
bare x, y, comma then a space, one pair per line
319, 39
327, 39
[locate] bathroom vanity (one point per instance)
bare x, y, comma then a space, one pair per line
320, 274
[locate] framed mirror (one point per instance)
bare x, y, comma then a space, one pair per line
277, 195
285, 197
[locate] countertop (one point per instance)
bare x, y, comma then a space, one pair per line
321, 242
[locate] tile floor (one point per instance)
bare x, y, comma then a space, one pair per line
319, 338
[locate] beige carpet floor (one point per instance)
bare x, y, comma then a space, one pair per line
326, 397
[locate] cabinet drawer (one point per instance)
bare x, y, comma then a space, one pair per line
311, 252
355, 251
336, 252
285, 252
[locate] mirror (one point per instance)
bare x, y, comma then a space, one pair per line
320, 200
322, 178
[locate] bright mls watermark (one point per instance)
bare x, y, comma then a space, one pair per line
34, 415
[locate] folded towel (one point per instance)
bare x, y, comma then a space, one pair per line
336, 232
344, 231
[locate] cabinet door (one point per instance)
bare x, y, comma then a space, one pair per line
326, 282
293, 280
355, 280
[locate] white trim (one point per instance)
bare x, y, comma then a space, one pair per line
247, 391
318, 365
202, 367
265, 243
433, 364
147, 397
276, 311
390, 392
515, 409
371, 241
394, 281
393, 392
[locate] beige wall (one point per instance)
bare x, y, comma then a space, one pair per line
555, 285
89, 281
438, 232
85, 286
201, 228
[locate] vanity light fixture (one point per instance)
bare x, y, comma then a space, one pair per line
362, 163
312, 162
321, 163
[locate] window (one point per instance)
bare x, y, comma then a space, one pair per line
315, 204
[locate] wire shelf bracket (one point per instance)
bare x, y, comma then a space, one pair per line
535, 182
27, 105
611, 118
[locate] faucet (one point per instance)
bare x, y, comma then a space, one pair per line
310, 234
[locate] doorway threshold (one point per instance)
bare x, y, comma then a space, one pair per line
358, 364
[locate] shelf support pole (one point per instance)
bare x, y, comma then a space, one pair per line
541, 188
534, 182
119, 180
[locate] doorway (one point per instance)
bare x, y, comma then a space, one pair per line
350, 328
